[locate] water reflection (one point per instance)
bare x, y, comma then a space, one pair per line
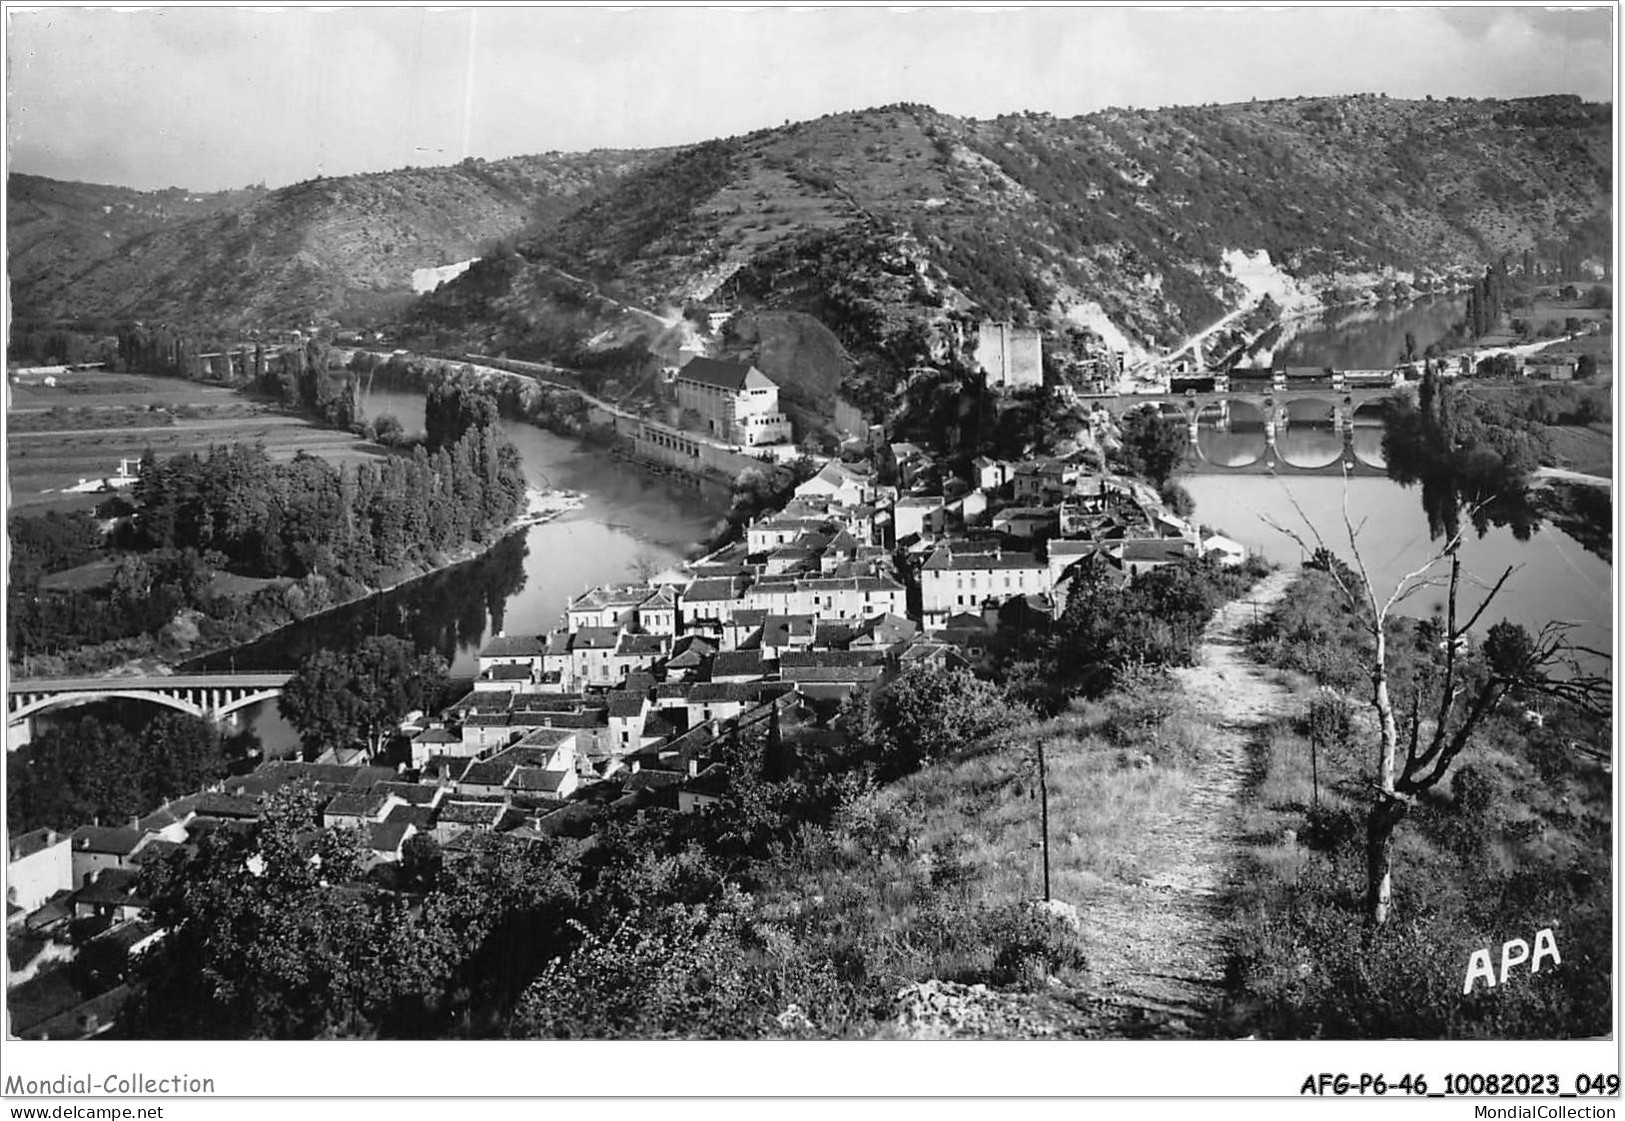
448, 612
1556, 578
1367, 338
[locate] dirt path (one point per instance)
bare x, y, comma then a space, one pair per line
1157, 948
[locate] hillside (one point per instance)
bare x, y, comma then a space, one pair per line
1125, 224
325, 248
895, 228
55, 230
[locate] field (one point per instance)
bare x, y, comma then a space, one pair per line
82, 427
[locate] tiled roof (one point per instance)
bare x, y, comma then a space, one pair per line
489, 773
641, 645
449, 766
609, 595
832, 673
387, 836
462, 812
420, 816
96, 838
412, 793
27, 844
662, 597
711, 782
437, 735
537, 780
657, 726
736, 662
647, 779
942, 559
596, 638
797, 659
719, 588
547, 738
513, 646
626, 705
1167, 549
715, 692
356, 803
506, 673
713, 371
155, 850
113, 887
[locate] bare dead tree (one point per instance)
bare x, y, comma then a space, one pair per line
1512, 660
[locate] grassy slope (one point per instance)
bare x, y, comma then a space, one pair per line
891, 889
1522, 844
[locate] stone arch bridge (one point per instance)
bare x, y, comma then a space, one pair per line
1273, 406
212, 696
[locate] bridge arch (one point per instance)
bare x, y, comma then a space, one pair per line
246, 701
40, 704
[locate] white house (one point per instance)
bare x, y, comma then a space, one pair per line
955, 582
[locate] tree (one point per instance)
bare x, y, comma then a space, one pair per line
1465, 480
1587, 367
1152, 444
342, 698
927, 713
257, 943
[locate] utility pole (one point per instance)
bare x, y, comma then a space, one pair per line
1043, 813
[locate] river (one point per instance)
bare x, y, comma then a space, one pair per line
1556, 577
1368, 337
630, 521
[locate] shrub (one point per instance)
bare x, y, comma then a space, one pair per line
1029, 943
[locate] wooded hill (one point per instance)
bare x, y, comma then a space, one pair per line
885, 224
326, 248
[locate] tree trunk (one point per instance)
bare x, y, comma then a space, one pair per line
1388, 809
1380, 824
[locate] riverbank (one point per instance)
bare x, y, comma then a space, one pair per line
534, 394
271, 610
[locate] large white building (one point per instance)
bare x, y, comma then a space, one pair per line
735, 403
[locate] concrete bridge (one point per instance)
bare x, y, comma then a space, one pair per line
212, 696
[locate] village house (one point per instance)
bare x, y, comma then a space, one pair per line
1027, 522
854, 597
1133, 557
955, 580
991, 474
709, 603
38, 865
833, 674
737, 404
919, 516
609, 605
98, 848
837, 481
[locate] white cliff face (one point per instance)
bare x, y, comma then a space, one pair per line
427, 280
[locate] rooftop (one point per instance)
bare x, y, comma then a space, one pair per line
713, 371
513, 646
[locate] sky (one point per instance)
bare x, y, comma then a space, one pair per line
210, 98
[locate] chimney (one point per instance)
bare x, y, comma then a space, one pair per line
693, 765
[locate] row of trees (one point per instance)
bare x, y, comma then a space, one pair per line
306, 516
